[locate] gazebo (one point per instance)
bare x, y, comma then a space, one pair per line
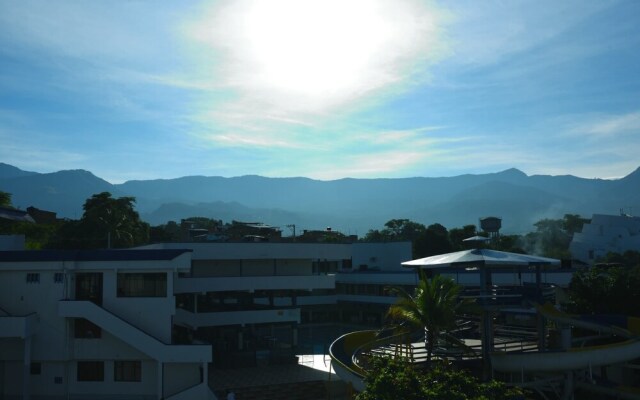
485, 261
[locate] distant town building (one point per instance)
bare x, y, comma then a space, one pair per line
42, 216
604, 234
10, 215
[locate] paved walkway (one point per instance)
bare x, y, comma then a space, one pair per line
311, 367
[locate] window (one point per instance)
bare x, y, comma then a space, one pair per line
142, 285
127, 371
90, 371
58, 277
85, 329
33, 277
57, 380
35, 368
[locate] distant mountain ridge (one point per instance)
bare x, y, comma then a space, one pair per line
350, 205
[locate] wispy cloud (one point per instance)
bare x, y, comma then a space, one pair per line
607, 126
491, 31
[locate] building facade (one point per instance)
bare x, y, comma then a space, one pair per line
95, 324
604, 234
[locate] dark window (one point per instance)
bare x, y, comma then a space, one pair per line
142, 285
90, 371
33, 277
57, 380
127, 371
85, 329
58, 277
35, 368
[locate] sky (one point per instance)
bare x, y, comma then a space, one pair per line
324, 89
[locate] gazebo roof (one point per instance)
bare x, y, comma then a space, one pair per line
480, 258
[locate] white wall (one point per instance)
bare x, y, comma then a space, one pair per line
147, 386
385, 256
606, 233
150, 314
21, 298
178, 377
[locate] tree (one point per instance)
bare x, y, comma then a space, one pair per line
432, 307
553, 236
572, 223
457, 235
601, 290
393, 378
434, 240
116, 219
107, 222
5, 199
169, 232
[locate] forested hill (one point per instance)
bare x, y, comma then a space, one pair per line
349, 205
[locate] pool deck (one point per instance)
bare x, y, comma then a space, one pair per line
310, 367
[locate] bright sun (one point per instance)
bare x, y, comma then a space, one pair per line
321, 52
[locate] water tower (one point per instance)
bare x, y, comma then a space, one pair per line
492, 226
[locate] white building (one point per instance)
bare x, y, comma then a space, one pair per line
250, 300
95, 325
604, 234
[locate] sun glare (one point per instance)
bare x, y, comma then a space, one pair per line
319, 52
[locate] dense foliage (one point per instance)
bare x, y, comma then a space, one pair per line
5, 199
107, 222
605, 290
553, 236
550, 239
393, 379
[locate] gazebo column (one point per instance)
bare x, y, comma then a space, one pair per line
486, 324
542, 322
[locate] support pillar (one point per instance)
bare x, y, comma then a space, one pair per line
294, 335
26, 369
542, 333
240, 340
195, 303
486, 324
205, 373
160, 377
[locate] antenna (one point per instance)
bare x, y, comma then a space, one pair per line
293, 228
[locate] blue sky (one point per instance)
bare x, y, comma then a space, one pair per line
324, 89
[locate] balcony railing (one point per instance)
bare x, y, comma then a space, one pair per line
249, 283
196, 320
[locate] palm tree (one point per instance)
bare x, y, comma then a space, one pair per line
433, 307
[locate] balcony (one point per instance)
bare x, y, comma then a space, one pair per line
251, 283
196, 320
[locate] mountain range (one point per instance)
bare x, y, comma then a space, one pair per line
352, 206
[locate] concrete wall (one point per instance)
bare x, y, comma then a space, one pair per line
179, 377
18, 297
383, 256
109, 387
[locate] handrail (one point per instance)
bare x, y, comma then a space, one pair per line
340, 342
355, 358
122, 319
